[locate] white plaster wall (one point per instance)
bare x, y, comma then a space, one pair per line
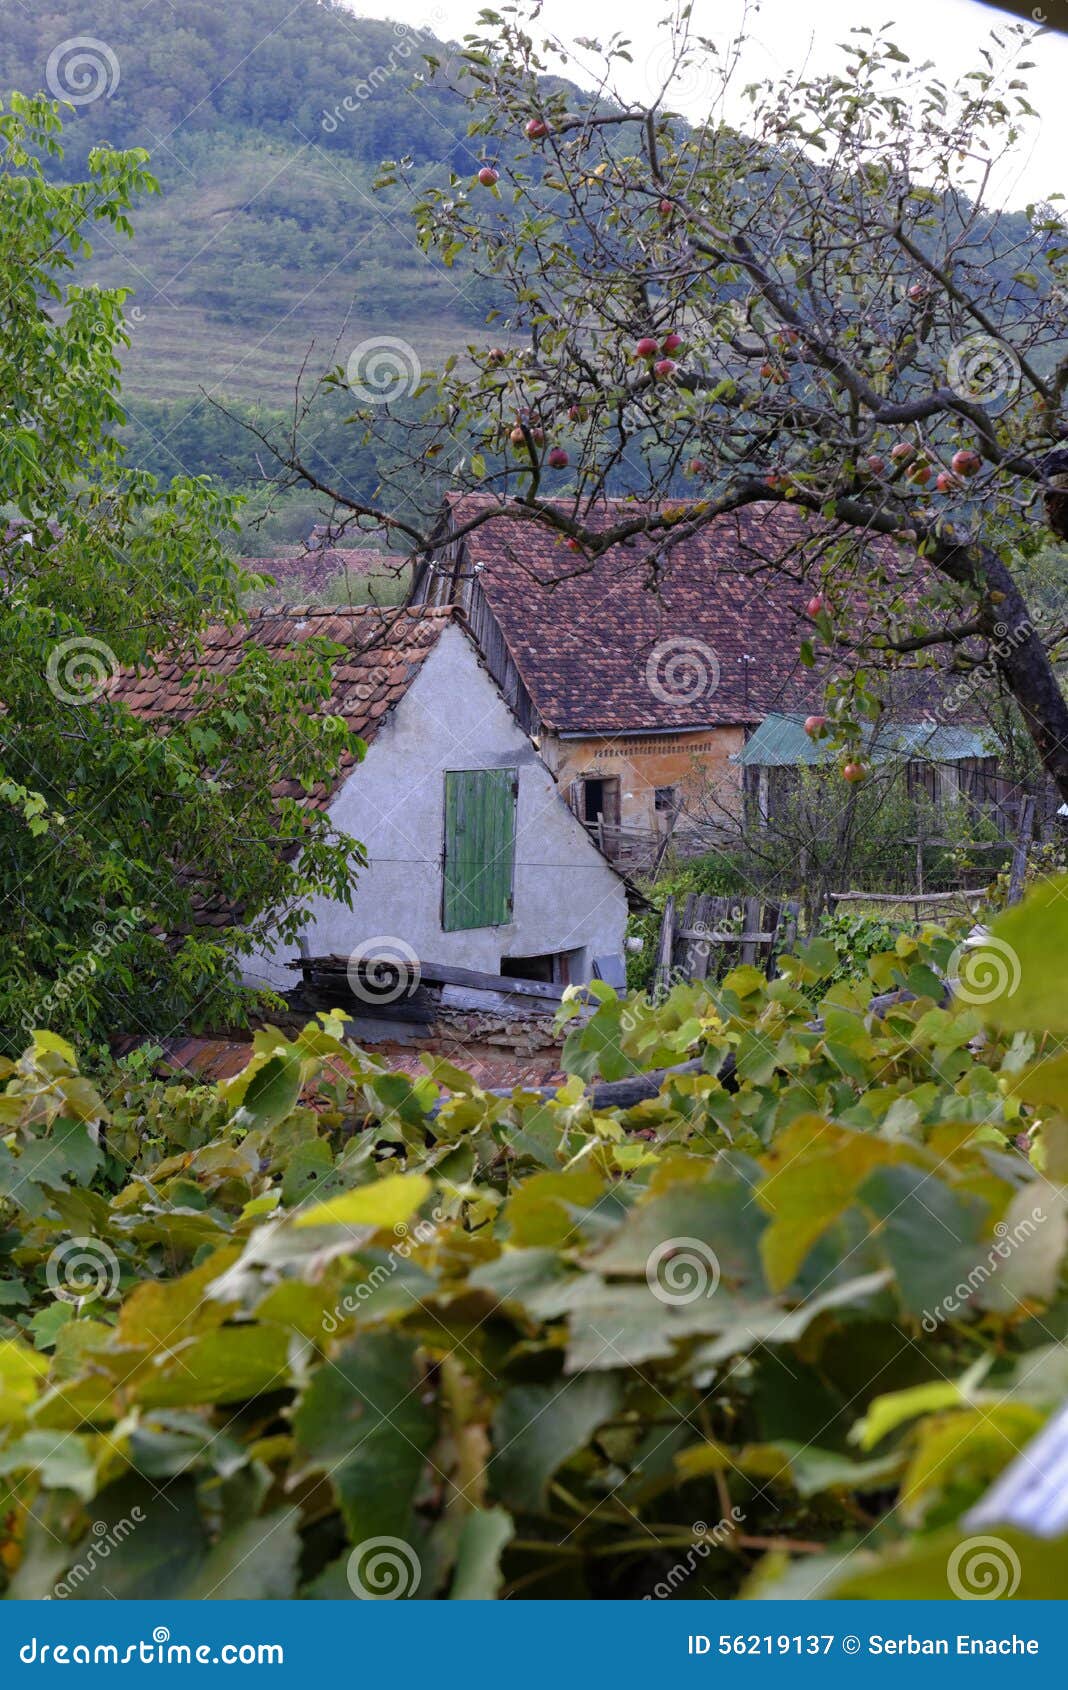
566, 898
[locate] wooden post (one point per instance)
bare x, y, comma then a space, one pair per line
662, 977
1018, 872
750, 925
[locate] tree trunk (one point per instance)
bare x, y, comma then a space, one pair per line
1023, 664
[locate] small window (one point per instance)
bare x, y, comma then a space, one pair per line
664, 797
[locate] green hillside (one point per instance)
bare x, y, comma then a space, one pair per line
266, 122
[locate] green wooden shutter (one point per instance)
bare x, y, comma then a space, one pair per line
479, 848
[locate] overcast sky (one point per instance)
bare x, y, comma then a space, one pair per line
785, 34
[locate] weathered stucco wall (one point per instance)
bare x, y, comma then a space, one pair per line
643, 762
566, 898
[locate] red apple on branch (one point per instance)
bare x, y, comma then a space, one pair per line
558, 458
814, 726
664, 368
671, 342
814, 607
966, 462
854, 772
646, 347
488, 176
536, 129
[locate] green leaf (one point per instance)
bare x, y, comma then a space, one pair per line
255, 1562
1020, 976
272, 1092
362, 1420
539, 1427
64, 1460
483, 1536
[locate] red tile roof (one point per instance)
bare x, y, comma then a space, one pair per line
384, 650
624, 644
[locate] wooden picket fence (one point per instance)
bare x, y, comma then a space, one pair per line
732, 929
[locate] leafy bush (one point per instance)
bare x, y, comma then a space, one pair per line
857, 937
777, 1327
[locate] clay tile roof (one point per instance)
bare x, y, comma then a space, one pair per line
711, 639
383, 651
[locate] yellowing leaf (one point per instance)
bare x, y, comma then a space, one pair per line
814, 1172
887, 1413
388, 1202
20, 1370
968, 1449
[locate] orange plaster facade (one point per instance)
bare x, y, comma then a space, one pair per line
642, 763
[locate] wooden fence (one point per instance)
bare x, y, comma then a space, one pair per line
734, 929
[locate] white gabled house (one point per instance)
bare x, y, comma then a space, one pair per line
474, 858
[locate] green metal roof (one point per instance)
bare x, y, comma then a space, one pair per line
781, 742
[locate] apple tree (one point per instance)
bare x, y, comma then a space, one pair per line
814, 299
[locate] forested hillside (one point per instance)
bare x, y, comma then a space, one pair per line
268, 242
